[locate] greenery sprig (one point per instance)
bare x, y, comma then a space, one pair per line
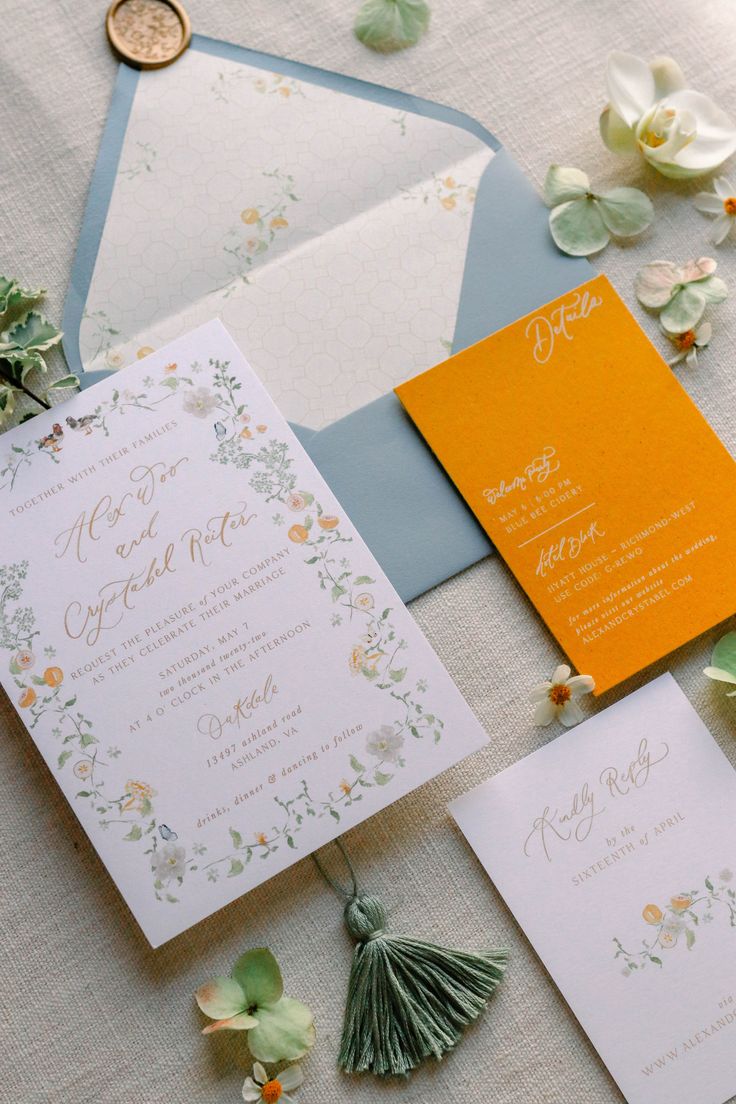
25, 334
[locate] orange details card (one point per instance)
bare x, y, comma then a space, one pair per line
598, 480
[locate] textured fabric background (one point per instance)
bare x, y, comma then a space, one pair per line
90, 1013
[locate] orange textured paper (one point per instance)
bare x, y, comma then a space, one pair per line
596, 477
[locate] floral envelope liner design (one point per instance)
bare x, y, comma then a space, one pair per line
328, 232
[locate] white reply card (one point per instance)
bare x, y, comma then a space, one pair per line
615, 848
210, 660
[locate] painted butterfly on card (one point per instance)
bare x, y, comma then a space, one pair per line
166, 833
220, 431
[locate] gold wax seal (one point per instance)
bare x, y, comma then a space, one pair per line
148, 33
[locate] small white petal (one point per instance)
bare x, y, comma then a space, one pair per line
668, 76
723, 187
259, 1073
721, 229
691, 358
291, 1077
720, 674
545, 713
539, 693
703, 334
676, 359
581, 684
715, 140
562, 674
616, 135
709, 203
251, 1091
571, 714
630, 85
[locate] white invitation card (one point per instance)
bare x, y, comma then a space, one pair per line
615, 848
210, 660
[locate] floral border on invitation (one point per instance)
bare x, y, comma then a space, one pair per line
375, 652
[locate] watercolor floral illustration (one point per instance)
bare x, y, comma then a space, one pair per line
374, 651
268, 84
258, 227
675, 924
450, 193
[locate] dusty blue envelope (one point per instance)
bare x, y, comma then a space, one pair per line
396, 493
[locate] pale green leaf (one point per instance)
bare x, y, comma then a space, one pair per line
577, 228
63, 383
562, 184
389, 25
135, 833
236, 867
32, 331
626, 211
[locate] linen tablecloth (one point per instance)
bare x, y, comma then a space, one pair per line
90, 1014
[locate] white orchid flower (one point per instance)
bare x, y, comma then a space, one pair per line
722, 203
680, 292
582, 222
681, 133
558, 698
688, 343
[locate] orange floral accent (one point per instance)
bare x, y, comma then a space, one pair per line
685, 340
448, 202
345, 787
137, 794
729, 205
144, 351
261, 428
326, 521
681, 902
357, 658
170, 368
272, 1090
53, 676
250, 215
246, 433
285, 91
25, 658
298, 534
279, 222
652, 914
27, 698
262, 838
449, 182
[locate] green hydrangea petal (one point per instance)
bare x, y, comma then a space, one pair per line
724, 658
563, 183
221, 998
684, 310
285, 1031
257, 972
577, 227
626, 211
713, 288
389, 25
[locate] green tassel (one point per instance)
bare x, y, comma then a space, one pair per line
407, 1000
389, 25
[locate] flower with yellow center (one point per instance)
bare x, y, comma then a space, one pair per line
558, 698
271, 1090
346, 787
679, 132
688, 343
721, 202
262, 839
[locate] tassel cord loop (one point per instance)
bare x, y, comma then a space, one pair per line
347, 894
